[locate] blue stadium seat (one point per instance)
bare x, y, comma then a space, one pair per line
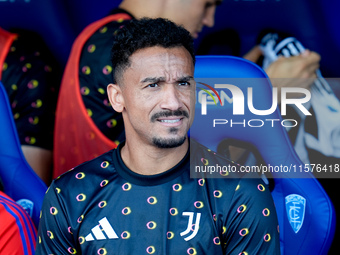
305, 212
47, 18
20, 182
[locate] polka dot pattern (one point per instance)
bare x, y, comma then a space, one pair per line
95, 73
181, 213
31, 77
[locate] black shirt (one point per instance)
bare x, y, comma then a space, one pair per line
102, 207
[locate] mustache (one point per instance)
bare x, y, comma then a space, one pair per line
176, 113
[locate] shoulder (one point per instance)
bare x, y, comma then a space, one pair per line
90, 171
107, 25
225, 173
211, 164
81, 185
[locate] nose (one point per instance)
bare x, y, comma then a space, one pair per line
171, 98
209, 17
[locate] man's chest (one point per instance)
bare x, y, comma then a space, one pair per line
151, 221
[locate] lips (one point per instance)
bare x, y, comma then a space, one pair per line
172, 121
170, 116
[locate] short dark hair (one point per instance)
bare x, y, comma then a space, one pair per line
144, 33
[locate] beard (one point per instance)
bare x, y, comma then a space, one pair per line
168, 143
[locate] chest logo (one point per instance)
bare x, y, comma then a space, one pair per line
193, 228
97, 233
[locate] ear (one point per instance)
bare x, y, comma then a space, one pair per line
114, 93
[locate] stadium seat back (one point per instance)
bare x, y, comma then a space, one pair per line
305, 213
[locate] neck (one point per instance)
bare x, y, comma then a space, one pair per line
140, 9
149, 159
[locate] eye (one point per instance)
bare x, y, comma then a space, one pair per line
184, 83
153, 85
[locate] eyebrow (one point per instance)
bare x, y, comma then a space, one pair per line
153, 79
186, 78
162, 79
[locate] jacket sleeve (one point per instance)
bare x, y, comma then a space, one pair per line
17, 231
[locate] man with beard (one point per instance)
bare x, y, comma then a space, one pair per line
86, 126
140, 198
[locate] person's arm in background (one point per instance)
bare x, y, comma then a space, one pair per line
17, 231
296, 71
40, 160
289, 72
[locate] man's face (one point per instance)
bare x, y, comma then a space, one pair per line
157, 96
193, 15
